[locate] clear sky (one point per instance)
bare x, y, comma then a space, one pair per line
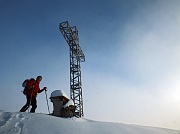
132, 68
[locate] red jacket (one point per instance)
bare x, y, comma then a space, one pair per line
33, 88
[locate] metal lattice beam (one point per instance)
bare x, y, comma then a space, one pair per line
76, 56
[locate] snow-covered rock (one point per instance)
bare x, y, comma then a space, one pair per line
69, 103
57, 93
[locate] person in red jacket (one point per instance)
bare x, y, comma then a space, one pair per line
32, 94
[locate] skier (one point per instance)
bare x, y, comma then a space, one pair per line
33, 90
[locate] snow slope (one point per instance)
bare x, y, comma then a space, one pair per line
28, 123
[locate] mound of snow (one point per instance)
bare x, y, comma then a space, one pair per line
29, 123
59, 93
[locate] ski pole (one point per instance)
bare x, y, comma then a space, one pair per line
47, 101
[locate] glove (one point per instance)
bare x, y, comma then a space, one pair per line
45, 88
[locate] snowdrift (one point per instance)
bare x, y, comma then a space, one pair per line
33, 123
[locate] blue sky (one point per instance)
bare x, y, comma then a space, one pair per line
132, 69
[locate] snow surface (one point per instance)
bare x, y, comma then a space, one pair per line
59, 93
33, 123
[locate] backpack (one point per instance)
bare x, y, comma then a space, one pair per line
27, 86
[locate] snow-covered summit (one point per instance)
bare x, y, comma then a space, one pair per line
29, 123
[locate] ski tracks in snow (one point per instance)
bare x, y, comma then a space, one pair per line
7, 121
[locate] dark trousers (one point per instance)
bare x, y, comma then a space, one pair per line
31, 100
